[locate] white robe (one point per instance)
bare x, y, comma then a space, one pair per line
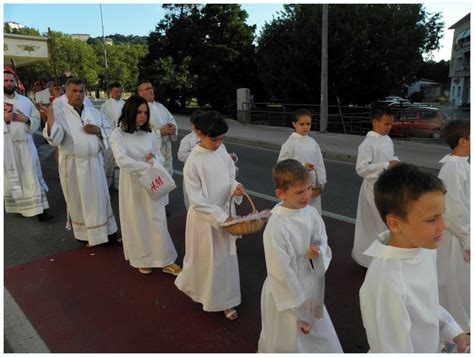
61, 102
373, 158
33, 200
146, 240
453, 270
111, 109
210, 273
286, 239
306, 150
399, 301
81, 173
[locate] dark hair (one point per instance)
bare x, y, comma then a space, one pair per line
140, 82
287, 173
195, 115
455, 130
10, 72
127, 120
300, 113
211, 123
115, 85
75, 81
400, 185
377, 112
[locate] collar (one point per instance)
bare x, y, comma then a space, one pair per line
298, 136
381, 249
454, 158
373, 133
279, 209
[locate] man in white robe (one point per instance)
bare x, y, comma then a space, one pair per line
82, 135
24, 186
111, 109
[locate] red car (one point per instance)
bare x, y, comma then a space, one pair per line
423, 122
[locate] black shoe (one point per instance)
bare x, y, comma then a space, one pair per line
43, 217
115, 238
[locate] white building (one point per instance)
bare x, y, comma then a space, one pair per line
80, 36
428, 89
459, 70
15, 25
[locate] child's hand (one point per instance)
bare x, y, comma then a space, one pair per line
308, 166
305, 327
239, 190
392, 163
233, 156
467, 255
149, 156
462, 341
313, 252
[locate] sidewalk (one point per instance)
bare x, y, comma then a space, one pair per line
333, 146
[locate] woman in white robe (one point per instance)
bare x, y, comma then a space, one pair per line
146, 241
453, 268
374, 156
210, 273
287, 237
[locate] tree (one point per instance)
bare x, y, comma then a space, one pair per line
374, 49
437, 71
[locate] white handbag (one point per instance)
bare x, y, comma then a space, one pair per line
157, 182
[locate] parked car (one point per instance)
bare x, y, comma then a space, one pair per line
420, 122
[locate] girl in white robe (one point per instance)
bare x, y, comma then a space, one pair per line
287, 237
300, 146
210, 273
146, 241
376, 153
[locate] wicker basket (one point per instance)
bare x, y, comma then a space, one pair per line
248, 227
316, 191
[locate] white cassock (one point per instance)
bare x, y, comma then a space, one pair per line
286, 239
399, 301
81, 171
210, 273
306, 150
111, 110
373, 158
453, 271
60, 103
24, 187
146, 240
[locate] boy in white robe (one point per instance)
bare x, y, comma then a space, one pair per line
454, 252
210, 274
111, 110
375, 154
399, 297
300, 146
296, 246
146, 241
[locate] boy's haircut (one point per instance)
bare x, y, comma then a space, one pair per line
400, 185
378, 111
211, 124
115, 85
196, 114
300, 113
455, 130
75, 81
127, 121
287, 173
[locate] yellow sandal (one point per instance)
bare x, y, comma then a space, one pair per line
173, 269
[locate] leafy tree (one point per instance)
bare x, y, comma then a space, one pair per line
22, 31
437, 71
373, 50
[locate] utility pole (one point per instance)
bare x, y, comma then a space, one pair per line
53, 55
105, 50
324, 71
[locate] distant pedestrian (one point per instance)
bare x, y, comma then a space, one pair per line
210, 273
399, 297
300, 146
24, 187
376, 153
454, 252
111, 110
297, 255
146, 241
82, 135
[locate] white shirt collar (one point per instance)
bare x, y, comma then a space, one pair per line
374, 133
279, 209
381, 249
454, 158
298, 136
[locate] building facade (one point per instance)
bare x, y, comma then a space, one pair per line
459, 70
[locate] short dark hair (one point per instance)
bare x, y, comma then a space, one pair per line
115, 85
287, 173
140, 82
75, 81
300, 113
211, 124
10, 72
127, 120
455, 130
377, 112
399, 186
195, 115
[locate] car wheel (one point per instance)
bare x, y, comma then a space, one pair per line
436, 134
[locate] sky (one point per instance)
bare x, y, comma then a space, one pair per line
141, 19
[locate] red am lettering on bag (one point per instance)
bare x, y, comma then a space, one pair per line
156, 183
